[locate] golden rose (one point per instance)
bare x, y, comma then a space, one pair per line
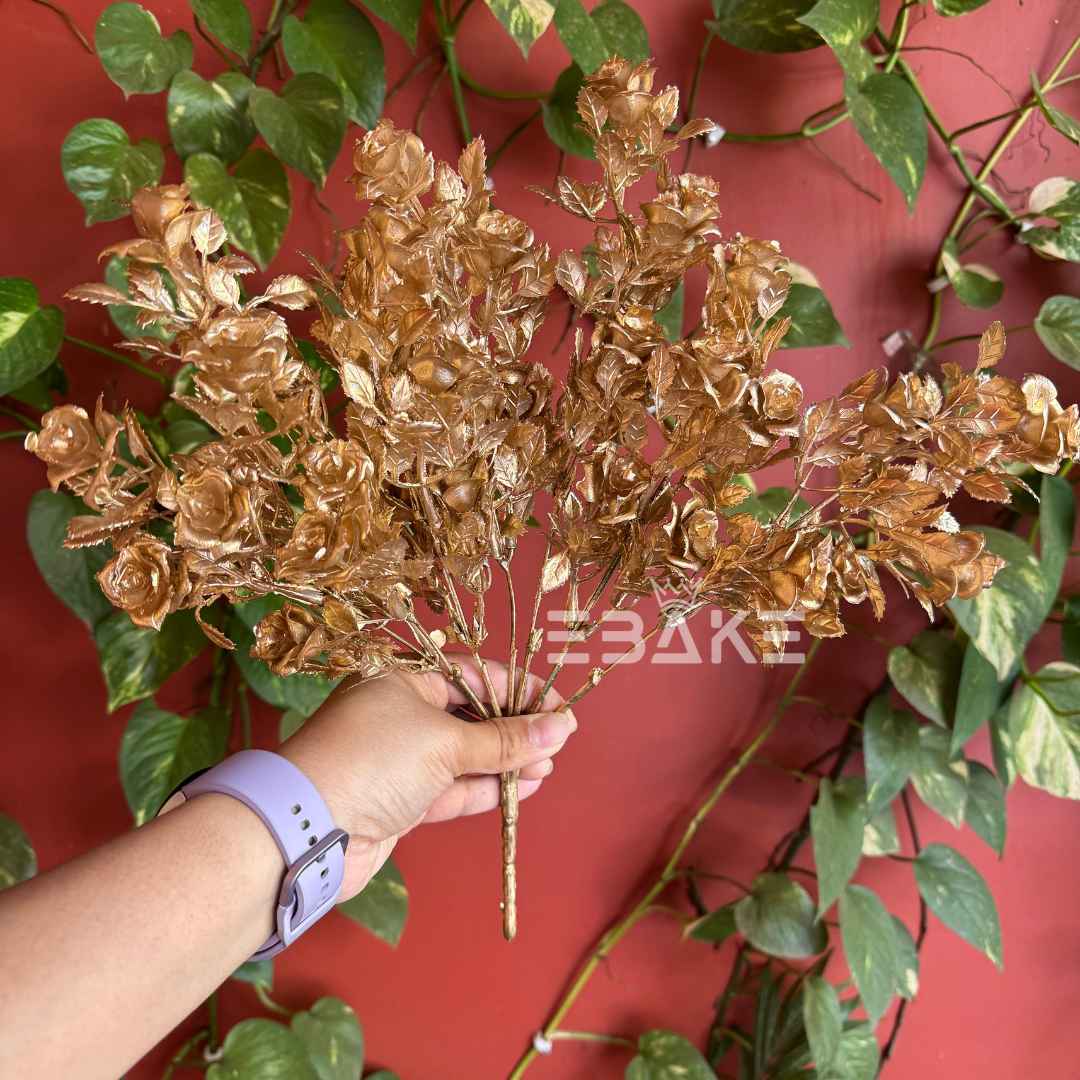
242, 353
67, 443
332, 470
144, 582
783, 395
211, 511
391, 165
288, 639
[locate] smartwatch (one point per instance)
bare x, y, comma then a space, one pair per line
301, 825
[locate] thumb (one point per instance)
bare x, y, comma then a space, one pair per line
510, 742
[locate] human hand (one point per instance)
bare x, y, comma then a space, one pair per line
387, 754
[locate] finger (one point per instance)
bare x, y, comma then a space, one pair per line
537, 771
497, 673
473, 795
505, 743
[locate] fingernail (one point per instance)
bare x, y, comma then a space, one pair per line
549, 729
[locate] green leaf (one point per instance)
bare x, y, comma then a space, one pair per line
256, 971
159, 750
290, 723
717, 926
523, 20
821, 1017
135, 662
836, 824
17, 859
560, 115
622, 30
262, 1050
1001, 745
976, 286
38, 392
336, 40
383, 1074
253, 202
879, 834
580, 35
123, 315
1001, 620
985, 807
927, 674
670, 316
302, 693
858, 1056
186, 436
30, 335
1057, 119
813, 323
402, 15
1057, 522
334, 1040
227, 20
907, 962
976, 699
103, 170
765, 26
889, 118
770, 504
663, 1055
940, 782
382, 906
866, 929
1070, 630
1044, 729
1056, 197
956, 893
328, 376
305, 126
952, 8
778, 918
844, 24
69, 572
133, 53
210, 117
890, 752
1058, 327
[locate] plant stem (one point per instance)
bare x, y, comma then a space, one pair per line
157, 376
594, 1036
501, 148
620, 929
975, 337
70, 23
214, 45
16, 415
503, 95
447, 33
212, 1022
178, 1057
245, 713
807, 131
691, 101
269, 1003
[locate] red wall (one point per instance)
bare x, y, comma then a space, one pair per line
454, 1000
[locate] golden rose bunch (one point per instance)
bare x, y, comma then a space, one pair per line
453, 439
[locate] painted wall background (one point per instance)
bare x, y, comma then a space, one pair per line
455, 1001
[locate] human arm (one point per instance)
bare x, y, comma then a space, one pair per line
102, 956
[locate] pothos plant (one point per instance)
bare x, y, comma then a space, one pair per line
780, 1006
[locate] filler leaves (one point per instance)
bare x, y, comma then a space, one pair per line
134, 54
30, 335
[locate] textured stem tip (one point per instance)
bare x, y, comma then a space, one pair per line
508, 802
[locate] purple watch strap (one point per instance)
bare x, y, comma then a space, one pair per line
294, 812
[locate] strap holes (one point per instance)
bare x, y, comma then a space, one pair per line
326, 870
312, 841
296, 809
305, 824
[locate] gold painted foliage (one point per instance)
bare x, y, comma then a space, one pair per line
453, 438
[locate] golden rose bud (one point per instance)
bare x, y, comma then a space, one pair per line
67, 443
332, 470
783, 395
143, 581
211, 511
288, 639
461, 496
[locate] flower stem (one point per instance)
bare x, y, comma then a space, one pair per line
157, 376
670, 871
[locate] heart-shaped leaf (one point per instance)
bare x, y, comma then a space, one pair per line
305, 126
17, 859
580, 35
336, 40
135, 662
886, 113
957, 894
813, 323
845, 24
858, 1057
523, 20
30, 335
253, 201
952, 8
663, 1055
160, 749
227, 20
560, 115
890, 751
333, 1037
821, 1017
402, 15
382, 906
717, 926
256, 971
927, 673
261, 1049
907, 961
69, 572
778, 918
765, 26
985, 807
976, 286
978, 696
1056, 197
941, 783
622, 30
1058, 327
210, 117
103, 170
1057, 119
133, 53
1044, 730
866, 929
836, 824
